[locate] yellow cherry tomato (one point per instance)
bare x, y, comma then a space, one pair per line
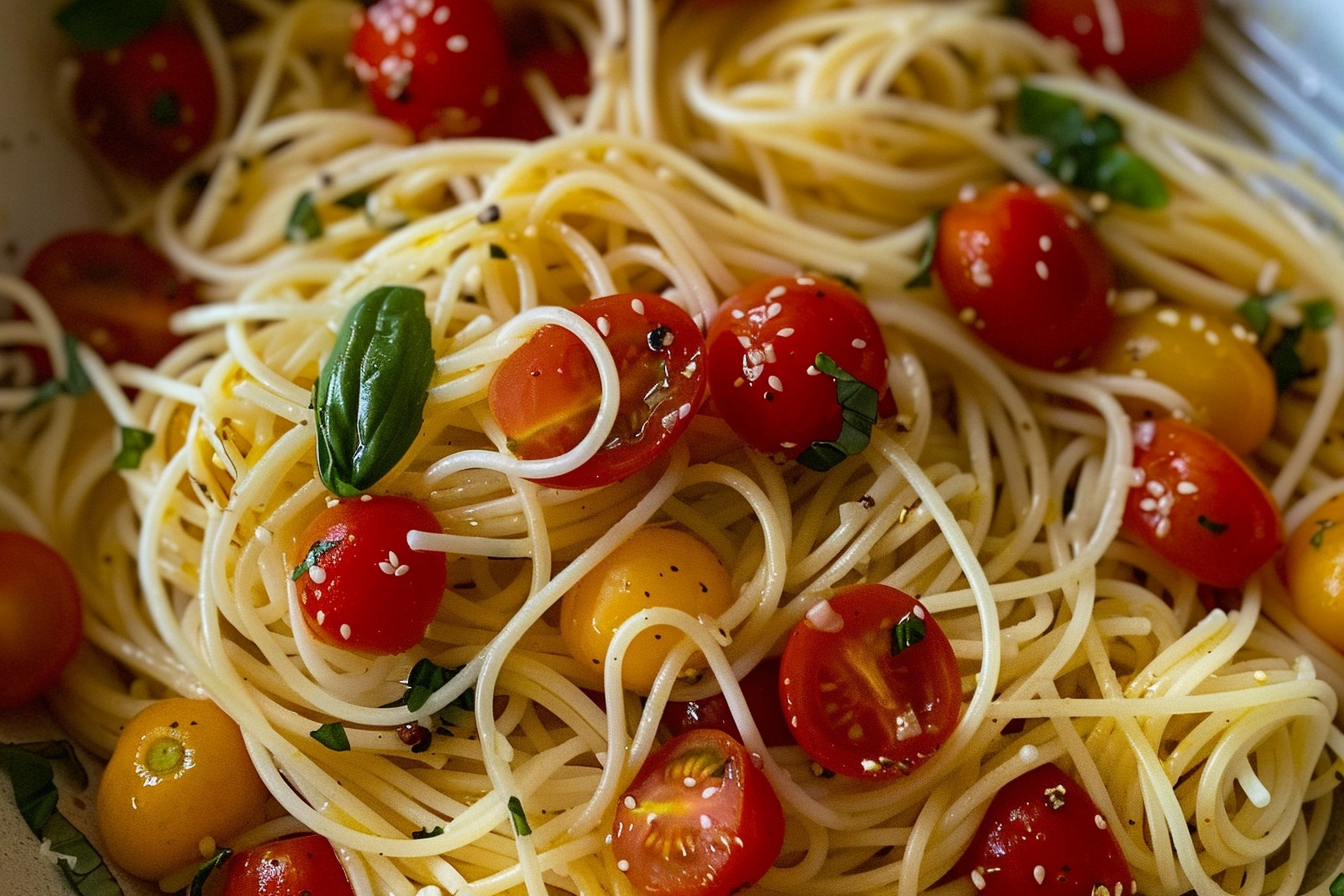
653, 568
179, 774
1313, 564
1214, 365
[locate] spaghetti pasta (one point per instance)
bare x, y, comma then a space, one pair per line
720, 144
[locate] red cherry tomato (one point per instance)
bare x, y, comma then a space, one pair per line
1148, 40
760, 687
545, 395
360, 585
1043, 834
1029, 278
858, 703
566, 70
1197, 505
150, 105
699, 819
294, 866
40, 622
436, 66
764, 344
113, 292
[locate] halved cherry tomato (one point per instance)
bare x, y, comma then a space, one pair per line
1043, 834
150, 105
567, 72
1141, 40
113, 292
869, 683
40, 621
766, 376
545, 395
654, 567
1313, 565
760, 687
699, 819
360, 585
1026, 275
1217, 368
1196, 504
436, 66
295, 866
180, 773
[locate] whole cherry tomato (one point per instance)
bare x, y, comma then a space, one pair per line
760, 688
784, 355
699, 819
1043, 834
436, 66
1196, 504
360, 585
149, 105
545, 395
1026, 275
1142, 41
40, 622
113, 292
869, 683
1313, 565
295, 866
180, 773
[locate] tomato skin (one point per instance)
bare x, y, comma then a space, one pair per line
1196, 504
654, 567
699, 819
1044, 823
1156, 38
179, 773
1217, 368
850, 703
545, 395
40, 618
566, 70
113, 292
437, 67
369, 590
1027, 276
760, 687
150, 105
763, 345
1313, 566
294, 866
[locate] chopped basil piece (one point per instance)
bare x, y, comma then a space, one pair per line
356, 200
1318, 314
303, 224
203, 873
1337, 886
924, 274
427, 677
310, 559
858, 407
104, 24
30, 770
165, 108
1285, 359
75, 384
520, 825
424, 834
497, 251
1255, 311
1213, 526
370, 395
134, 444
332, 736
907, 633
1318, 537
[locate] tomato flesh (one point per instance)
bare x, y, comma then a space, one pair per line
763, 348
1026, 275
699, 819
1043, 834
295, 866
113, 292
858, 708
545, 395
760, 688
360, 585
40, 621
1196, 504
1149, 39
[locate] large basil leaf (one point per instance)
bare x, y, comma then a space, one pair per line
370, 396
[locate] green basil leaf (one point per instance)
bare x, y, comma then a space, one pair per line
75, 384
370, 395
427, 677
332, 736
907, 633
1318, 314
104, 24
1255, 311
356, 200
209, 867
1056, 119
858, 415
134, 444
1127, 178
35, 795
303, 224
924, 273
520, 825
314, 554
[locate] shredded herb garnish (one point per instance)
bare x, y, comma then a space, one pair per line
924, 273
209, 867
332, 736
520, 825
1213, 526
426, 678
1318, 537
497, 251
858, 409
304, 224
75, 384
356, 200
134, 444
424, 834
314, 554
907, 633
